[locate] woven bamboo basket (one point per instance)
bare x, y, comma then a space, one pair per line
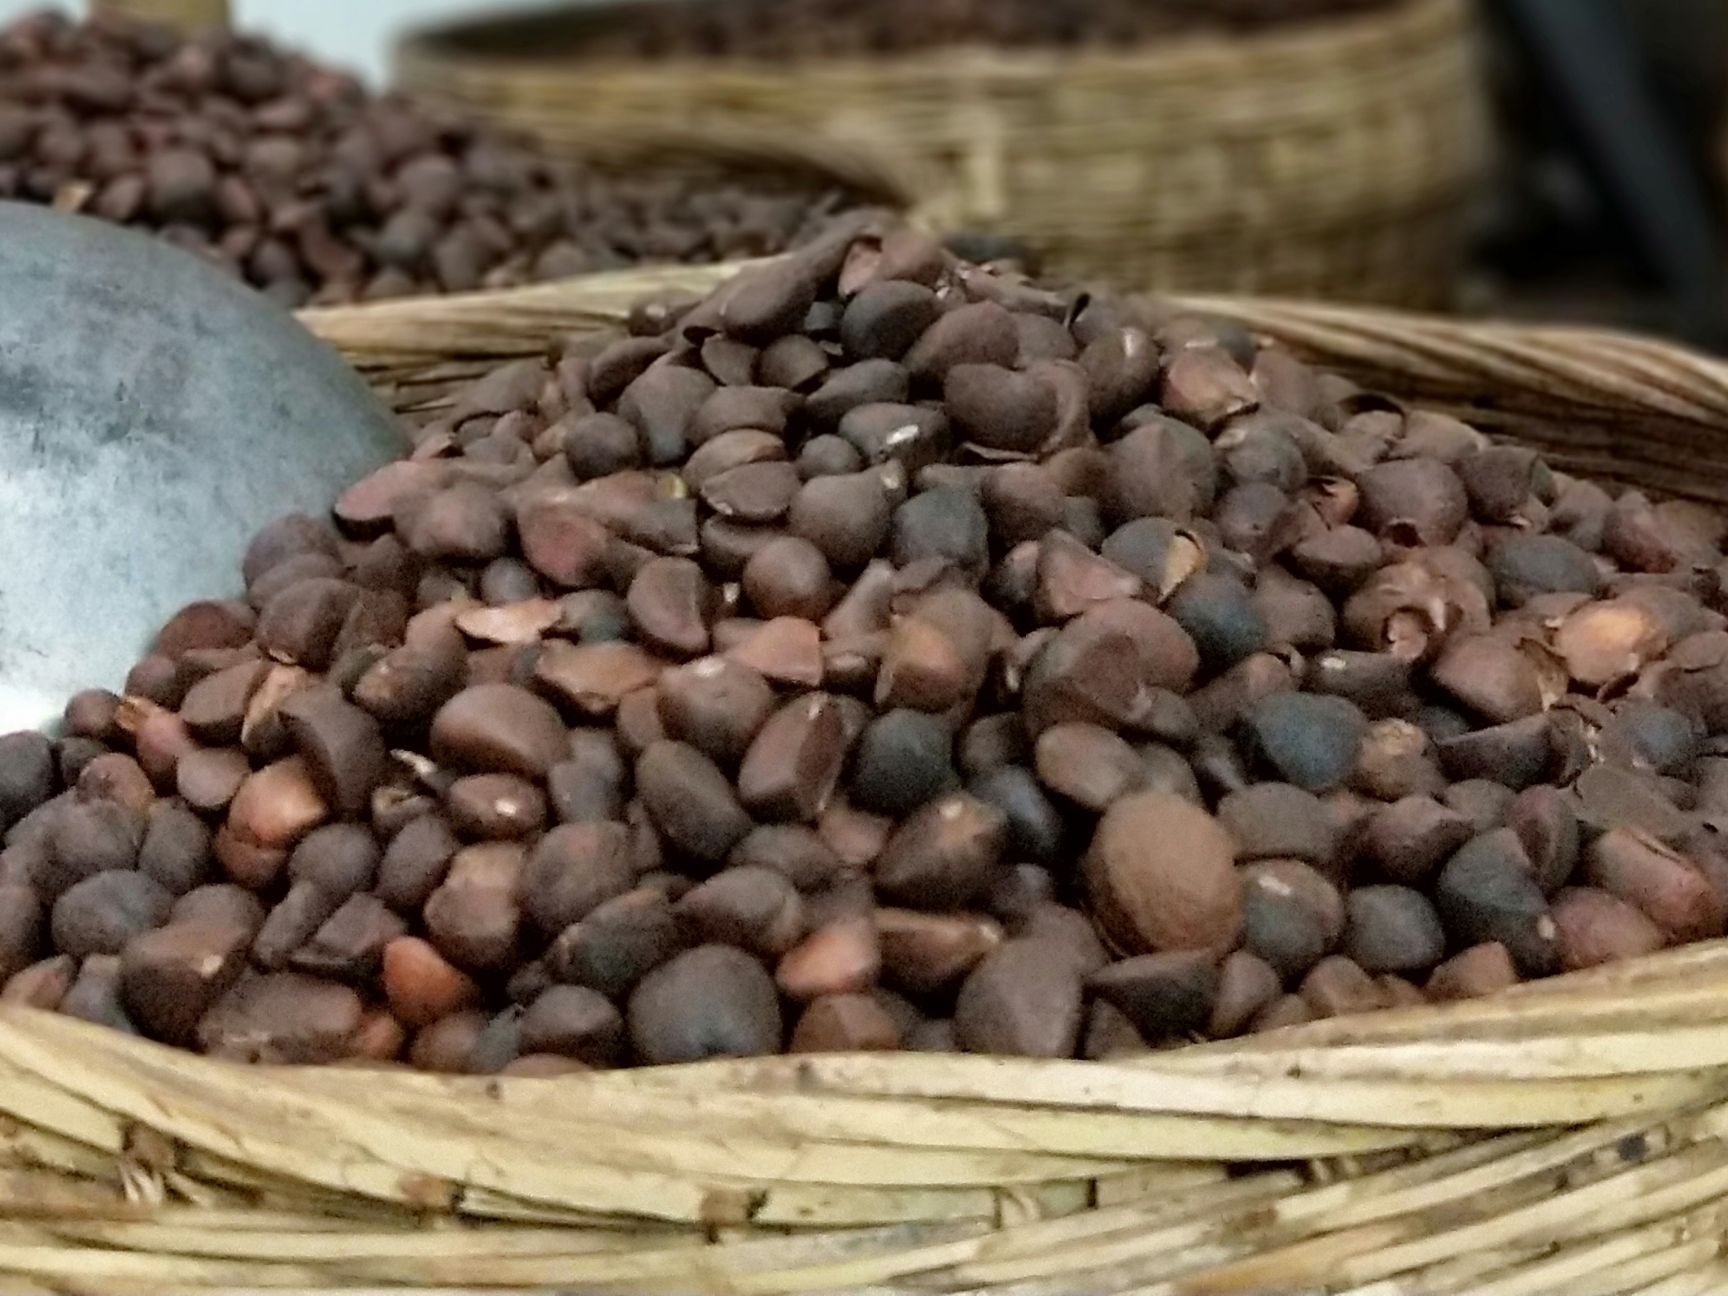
182, 15
1331, 160
1570, 1135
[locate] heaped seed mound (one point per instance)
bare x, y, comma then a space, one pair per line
298, 179
885, 653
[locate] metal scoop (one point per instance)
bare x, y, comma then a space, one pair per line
154, 413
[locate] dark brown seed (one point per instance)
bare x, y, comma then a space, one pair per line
1484, 803
450, 1046
841, 956
208, 779
340, 858
573, 870
215, 706
1247, 985
691, 801
945, 855
983, 333
925, 954
1122, 366
1423, 494
22, 927
1070, 578
789, 577
1526, 566
1293, 916
756, 909
792, 850
26, 775
845, 1024
1666, 886
474, 917
886, 318
711, 1001
574, 1022
595, 677
903, 759
415, 862
946, 524
1392, 929
496, 807
408, 684
618, 943
291, 923
794, 763
999, 408
768, 301
715, 705
1490, 676
1546, 824
1337, 559
754, 493
1516, 755
1206, 387
349, 945
1487, 892
1166, 996
670, 603
1160, 469
341, 745
1278, 821
87, 838
1337, 986
1597, 927
499, 727
1017, 1002
176, 848
1480, 970
561, 541
1311, 741
661, 405
1161, 875
221, 904
1410, 839
1088, 764
283, 1018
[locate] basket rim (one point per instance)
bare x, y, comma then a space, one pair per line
1329, 39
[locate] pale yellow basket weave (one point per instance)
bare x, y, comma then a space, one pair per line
1334, 159
182, 15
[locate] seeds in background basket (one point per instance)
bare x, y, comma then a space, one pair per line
915, 739
295, 178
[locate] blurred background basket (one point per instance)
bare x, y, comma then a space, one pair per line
182, 15
1336, 158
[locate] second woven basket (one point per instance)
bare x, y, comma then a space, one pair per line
1331, 159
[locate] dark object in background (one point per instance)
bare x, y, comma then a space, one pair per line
310, 187
1610, 202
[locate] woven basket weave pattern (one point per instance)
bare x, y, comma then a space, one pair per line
182, 15
1333, 160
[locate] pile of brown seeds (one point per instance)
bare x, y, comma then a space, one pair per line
884, 653
311, 188
777, 29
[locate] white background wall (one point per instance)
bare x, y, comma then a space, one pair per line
355, 33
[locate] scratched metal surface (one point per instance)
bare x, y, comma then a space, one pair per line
153, 414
